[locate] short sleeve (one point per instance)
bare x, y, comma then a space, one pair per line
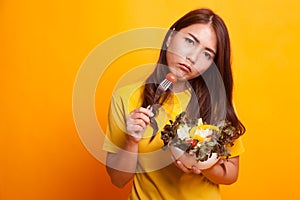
238, 148
115, 130
124, 99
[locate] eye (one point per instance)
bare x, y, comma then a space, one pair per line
207, 55
189, 41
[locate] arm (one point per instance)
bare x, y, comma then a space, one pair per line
121, 166
223, 172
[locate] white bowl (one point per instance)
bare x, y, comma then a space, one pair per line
190, 160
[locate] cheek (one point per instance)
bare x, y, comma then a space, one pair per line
178, 49
169, 57
172, 58
201, 67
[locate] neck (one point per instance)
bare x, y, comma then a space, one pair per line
179, 86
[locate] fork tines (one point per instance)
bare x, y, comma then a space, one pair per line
165, 84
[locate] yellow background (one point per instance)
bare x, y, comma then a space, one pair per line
43, 44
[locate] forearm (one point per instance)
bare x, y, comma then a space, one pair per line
224, 172
121, 166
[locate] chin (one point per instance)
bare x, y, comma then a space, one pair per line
182, 79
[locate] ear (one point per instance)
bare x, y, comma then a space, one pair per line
170, 38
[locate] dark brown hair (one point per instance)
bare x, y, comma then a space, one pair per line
202, 104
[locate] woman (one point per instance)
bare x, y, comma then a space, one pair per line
197, 50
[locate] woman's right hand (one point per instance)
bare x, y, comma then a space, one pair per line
137, 122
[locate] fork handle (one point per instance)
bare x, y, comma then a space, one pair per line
158, 93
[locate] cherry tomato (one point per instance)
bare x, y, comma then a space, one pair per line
193, 142
171, 77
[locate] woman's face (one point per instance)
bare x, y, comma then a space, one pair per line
191, 50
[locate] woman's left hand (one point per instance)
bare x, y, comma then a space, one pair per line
181, 166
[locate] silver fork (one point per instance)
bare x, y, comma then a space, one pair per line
163, 86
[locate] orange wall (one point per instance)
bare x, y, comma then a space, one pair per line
43, 45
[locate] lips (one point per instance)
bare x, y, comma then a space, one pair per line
185, 67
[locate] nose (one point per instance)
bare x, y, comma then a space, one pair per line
190, 60
193, 55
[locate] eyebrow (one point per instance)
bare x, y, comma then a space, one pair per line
206, 48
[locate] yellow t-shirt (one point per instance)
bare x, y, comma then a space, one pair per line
157, 177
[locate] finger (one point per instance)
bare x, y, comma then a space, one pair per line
138, 128
183, 167
140, 122
221, 161
133, 129
142, 116
145, 111
196, 170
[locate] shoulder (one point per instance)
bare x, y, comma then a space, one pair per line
238, 148
129, 88
129, 94
128, 91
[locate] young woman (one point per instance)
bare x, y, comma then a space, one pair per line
197, 50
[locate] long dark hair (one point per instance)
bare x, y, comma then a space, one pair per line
201, 95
